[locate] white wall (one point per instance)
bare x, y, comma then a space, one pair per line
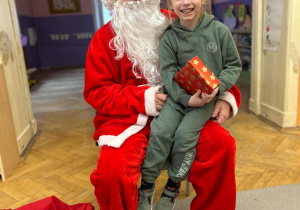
274, 82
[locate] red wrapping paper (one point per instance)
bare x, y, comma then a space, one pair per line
194, 76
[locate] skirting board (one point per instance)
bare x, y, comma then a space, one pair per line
279, 118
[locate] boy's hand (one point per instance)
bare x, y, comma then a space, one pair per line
208, 97
160, 99
195, 100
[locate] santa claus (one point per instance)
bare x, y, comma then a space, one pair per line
122, 82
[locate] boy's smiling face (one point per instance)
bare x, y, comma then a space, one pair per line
188, 11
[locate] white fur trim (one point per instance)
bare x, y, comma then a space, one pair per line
150, 100
117, 141
229, 98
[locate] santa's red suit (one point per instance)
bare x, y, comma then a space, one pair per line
125, 106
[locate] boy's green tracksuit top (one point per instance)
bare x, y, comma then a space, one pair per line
211, 41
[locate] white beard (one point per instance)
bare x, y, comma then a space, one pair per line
139, 26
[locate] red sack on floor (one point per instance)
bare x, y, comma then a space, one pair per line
53, 203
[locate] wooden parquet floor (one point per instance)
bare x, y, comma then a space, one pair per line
62, 155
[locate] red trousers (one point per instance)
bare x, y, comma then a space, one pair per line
212, 173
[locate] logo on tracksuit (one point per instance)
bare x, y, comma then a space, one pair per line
211, 47
186, 165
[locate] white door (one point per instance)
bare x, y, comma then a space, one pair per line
12, 59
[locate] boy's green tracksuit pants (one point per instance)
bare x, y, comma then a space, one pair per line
174, 135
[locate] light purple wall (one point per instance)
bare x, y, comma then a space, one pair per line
24, 7
49, 53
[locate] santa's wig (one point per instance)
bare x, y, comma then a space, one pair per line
109, 4
138, 25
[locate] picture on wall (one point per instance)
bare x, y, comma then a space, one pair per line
272, 24
64, 6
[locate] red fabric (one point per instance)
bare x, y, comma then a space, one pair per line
54, 203
169, 14
213, 171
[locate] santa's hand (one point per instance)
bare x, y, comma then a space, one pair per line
160, 99
221, 112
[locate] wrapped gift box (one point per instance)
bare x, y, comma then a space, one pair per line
194, 76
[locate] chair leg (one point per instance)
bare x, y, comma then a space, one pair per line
187, 188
